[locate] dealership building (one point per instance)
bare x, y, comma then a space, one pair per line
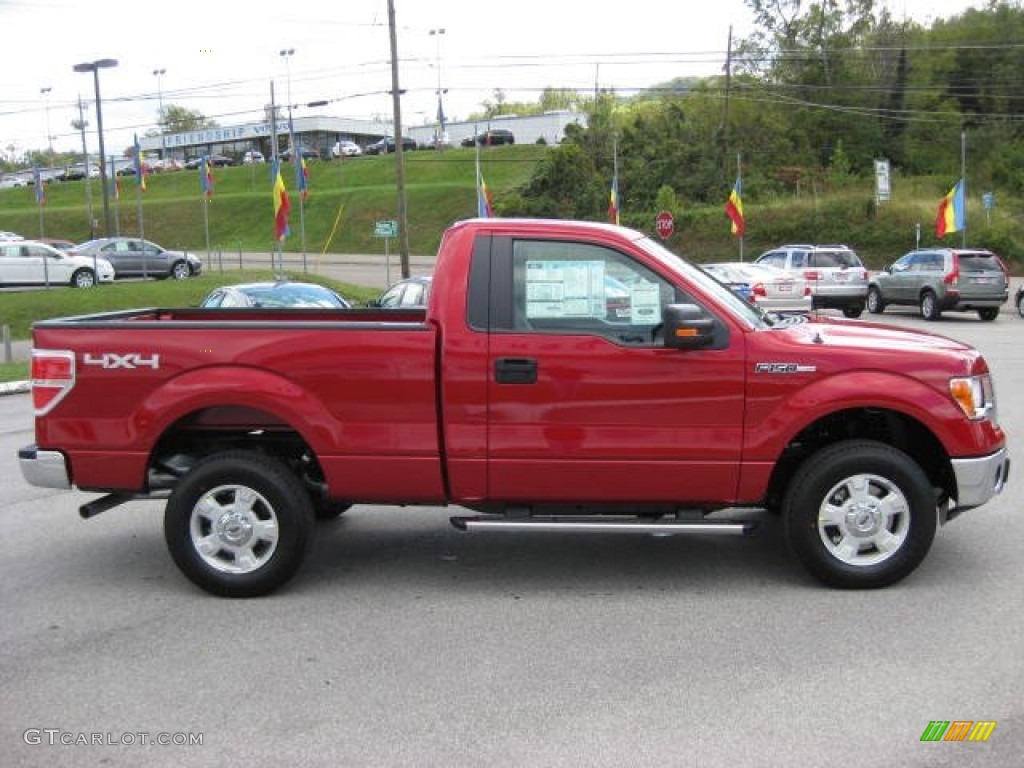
320, 133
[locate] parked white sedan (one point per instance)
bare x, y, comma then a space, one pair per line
770, 289
26, 262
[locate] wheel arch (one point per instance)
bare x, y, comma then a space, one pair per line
886, 425
208, 411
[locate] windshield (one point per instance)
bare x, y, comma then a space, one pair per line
725, 296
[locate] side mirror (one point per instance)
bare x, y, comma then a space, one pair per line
687, 326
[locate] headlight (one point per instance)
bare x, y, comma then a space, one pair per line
975, 395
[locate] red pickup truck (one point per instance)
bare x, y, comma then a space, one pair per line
529, 394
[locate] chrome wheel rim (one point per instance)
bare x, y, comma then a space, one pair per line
234, 529
864, 520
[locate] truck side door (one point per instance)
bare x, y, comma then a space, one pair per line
584, 401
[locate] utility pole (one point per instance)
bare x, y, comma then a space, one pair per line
85, 162
396, 101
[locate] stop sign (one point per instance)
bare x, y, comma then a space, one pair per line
665, 224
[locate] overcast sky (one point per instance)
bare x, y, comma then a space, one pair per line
221, 56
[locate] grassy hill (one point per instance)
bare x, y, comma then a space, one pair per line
346, 197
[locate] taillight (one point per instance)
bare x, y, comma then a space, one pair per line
953, 278
53, 376
758, 290
807, 290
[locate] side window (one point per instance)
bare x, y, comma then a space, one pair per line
798, 260
568, 287
774, 259
391, 296
413, 296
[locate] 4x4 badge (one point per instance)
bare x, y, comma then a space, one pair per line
784, 368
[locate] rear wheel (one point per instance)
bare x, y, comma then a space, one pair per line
853, 310
238, 524
860, 514
1020, 304
83, 278
988, 314
930, 306
180, 270
875, 304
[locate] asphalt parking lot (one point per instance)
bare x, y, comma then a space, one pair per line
406, 643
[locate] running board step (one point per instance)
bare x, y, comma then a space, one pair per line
584, 524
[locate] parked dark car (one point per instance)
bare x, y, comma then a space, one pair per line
307, 154
132, 257
387, 144
490, 138
274, 294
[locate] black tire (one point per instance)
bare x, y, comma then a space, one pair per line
875, 304
988, 314
852, 501
930, 306
83, 278
1020, 304
253, 546
180, 270
853, 311
330, 509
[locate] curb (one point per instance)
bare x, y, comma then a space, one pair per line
14, 387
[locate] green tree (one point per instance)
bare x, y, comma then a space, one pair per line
175, 119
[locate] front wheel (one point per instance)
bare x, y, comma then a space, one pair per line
238, 524
860, 514
83, 278
988, 314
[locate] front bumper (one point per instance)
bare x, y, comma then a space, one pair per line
47, 469
979, 479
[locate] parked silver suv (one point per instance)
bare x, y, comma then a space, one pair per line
836, 275
940, 279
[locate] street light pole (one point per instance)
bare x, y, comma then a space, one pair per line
287, 53
436, 33
95, 67
159, 73
49, 137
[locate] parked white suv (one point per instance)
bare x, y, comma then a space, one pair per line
836, 275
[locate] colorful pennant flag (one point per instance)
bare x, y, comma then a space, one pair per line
140, 168
613, 201
301, 175
206, 176
734, 208
40, 189
282, 205
951, 211
483, 197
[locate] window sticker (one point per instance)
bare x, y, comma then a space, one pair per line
644, 303
571, 289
